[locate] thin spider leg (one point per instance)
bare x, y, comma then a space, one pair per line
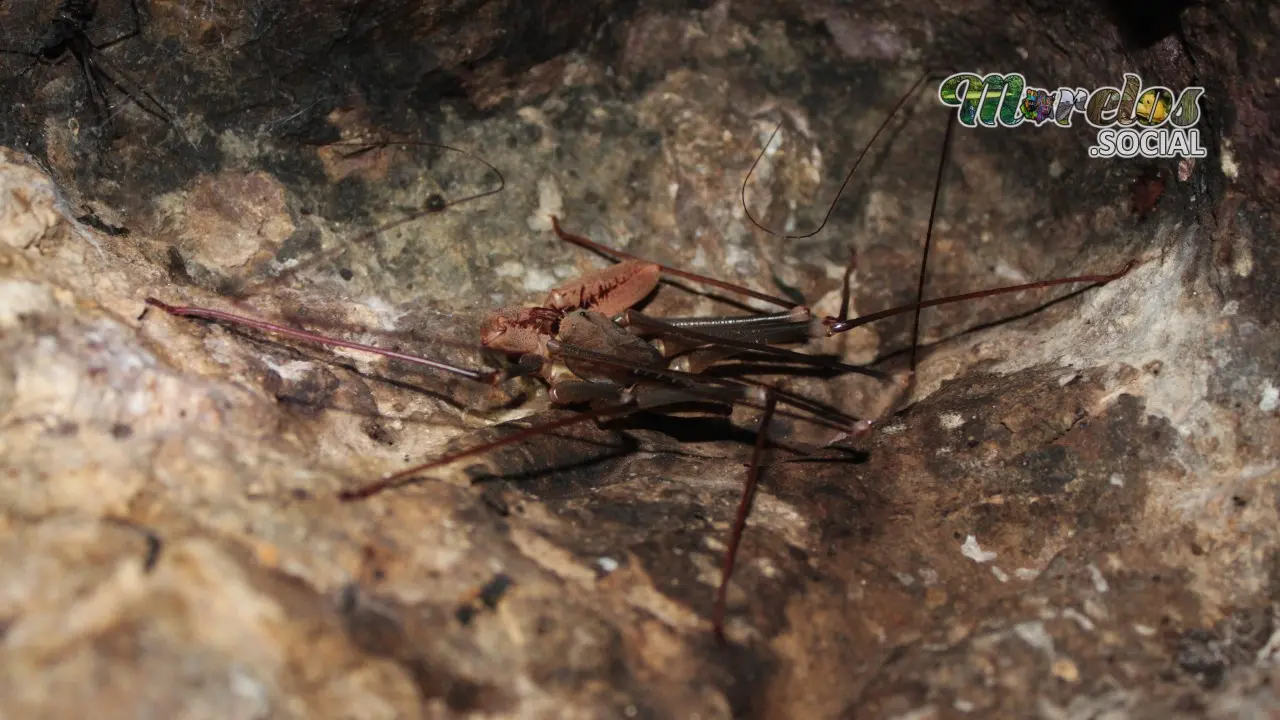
408, 476
93, 84
443, 204
618, 255
740, 518
35, 62
630, 403
430, 209
760, 328
928, 239
846, 286
121, 80
135, 32
746, 393
847, 178
488, 377
835, 326
637, 319
790, 326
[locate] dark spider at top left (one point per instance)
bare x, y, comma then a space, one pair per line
68, 32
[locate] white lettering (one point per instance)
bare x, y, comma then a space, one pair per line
1150, 143
1127, 142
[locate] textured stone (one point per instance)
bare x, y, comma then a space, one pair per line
1074, 515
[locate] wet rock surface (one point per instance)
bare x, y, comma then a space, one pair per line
1072, 514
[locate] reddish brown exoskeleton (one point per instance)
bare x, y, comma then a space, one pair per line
594, 349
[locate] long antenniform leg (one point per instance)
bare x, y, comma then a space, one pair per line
434, 206
488, 377
928, 238
740, 519
910, 93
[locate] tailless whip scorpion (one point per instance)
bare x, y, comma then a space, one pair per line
596, 351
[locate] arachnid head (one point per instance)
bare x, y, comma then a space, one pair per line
520, 331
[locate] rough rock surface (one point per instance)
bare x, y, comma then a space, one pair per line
1075, 515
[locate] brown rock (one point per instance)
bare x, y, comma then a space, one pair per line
1074, 514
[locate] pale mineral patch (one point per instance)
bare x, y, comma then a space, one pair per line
510, 268
28, 203
1099, 580
550, 202
1270, 397
1227, 160
974, 552
1036, 635
539, 280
